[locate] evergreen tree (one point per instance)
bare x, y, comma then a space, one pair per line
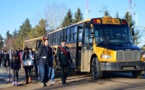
8, 40
1, 41
130, 21
15, 33
136, 37
8, 35
117, 15
25, 28
131, 24
106, 13
18, 42
64, 22
78, 16
31, 34
40, 29
68, 20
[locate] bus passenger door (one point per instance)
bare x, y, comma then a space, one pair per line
79, 47
38, 43
86, 51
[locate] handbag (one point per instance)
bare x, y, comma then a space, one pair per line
28, 62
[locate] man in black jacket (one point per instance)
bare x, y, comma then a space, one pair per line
64, 60
46, 56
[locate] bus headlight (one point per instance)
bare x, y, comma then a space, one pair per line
105, 56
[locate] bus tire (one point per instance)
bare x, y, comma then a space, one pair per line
136, 74
95, 68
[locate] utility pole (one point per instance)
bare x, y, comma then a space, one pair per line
133, 13
87, 10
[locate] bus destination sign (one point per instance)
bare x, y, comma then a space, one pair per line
110, 21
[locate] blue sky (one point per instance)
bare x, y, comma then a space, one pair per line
14, 12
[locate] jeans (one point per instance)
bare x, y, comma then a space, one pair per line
15, 74
44, 72
37, 70
52, 74
0, 62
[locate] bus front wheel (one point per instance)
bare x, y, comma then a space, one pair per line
95, 66
136, 74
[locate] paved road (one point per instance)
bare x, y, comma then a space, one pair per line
6, 77
121, 81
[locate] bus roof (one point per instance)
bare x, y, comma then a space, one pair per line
101, 20
86, 20
33, 39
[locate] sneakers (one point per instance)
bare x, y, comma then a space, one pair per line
43, 84
15, 83
38, 78
52, 82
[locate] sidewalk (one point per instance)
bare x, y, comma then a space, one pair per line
36, 85
6, 77
6, 85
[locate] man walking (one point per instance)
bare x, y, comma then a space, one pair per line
64, 60
45, 54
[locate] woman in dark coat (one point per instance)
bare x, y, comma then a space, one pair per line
6, 60
15, 65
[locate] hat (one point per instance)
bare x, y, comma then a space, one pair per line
62, 40
45, 38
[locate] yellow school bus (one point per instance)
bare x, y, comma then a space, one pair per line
100, 45
34, 43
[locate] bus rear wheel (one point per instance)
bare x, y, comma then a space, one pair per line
136, 74
95, 68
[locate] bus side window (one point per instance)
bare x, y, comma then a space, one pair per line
55, 36
75, 33
90, 39
86, 36
50, 39
68, 34
64, 34
61, 34
58, 38
80, 34
39, 44
71, 34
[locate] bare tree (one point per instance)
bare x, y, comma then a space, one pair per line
54, 15
9, 43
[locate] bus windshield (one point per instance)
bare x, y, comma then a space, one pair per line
116, 34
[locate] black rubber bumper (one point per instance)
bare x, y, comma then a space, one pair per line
122, 66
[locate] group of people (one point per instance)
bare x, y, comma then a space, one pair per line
4, 59
45, 61
49, 59
11, 59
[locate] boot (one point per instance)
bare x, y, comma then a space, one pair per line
29, 80
26, 81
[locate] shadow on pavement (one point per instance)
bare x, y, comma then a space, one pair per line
83, 79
